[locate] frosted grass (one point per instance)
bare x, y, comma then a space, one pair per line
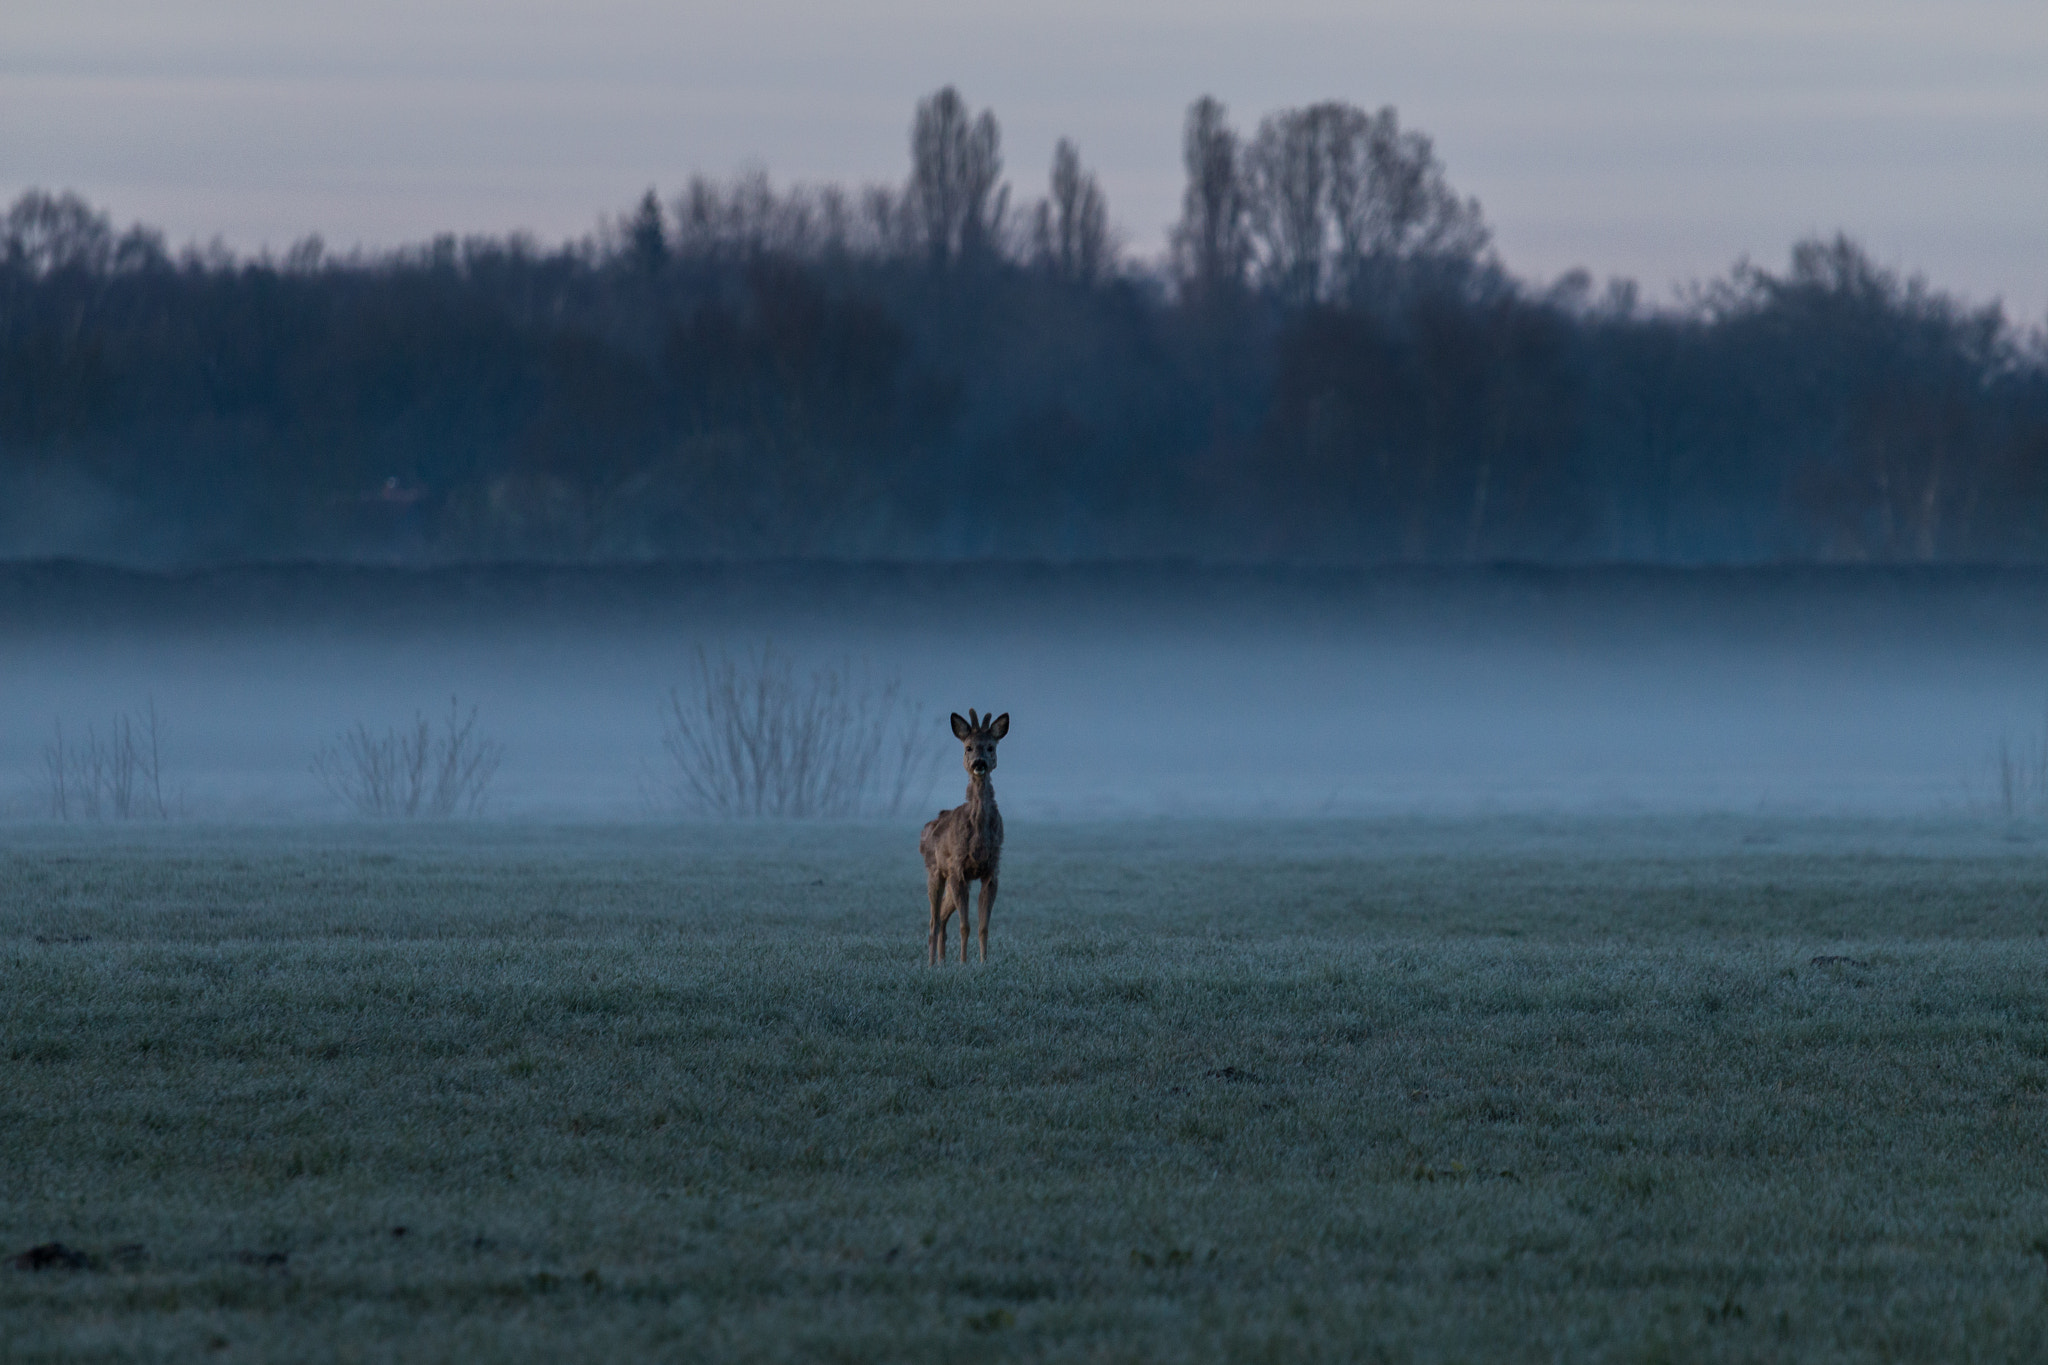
1407, 1090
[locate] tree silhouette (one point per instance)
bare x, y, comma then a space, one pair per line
955, 164
1329, 368
1070, 229
646, 237
1210, 245
1343, 204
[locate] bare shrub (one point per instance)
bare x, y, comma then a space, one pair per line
2019, 774
753, 739
117, 776
413, 772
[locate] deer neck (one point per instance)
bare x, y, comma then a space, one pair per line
980, 807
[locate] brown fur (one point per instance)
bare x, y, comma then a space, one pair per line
965, 844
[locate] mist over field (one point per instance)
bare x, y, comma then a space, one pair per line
1134, 691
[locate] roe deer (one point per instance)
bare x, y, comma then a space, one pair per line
965, 844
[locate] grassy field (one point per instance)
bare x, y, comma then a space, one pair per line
1507, 1089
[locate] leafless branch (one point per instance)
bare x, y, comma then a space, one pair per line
413, 772
752, 739
120, 776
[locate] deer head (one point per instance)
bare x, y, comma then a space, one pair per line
979, 735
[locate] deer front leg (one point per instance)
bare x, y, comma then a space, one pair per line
934, 940
988, 903
954, 898
965, 927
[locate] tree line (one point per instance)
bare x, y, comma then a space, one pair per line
1330, 365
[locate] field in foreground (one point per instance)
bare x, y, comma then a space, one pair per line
1723, 1089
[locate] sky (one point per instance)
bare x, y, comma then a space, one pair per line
1659, 141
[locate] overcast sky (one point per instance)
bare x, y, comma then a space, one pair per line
1660, 139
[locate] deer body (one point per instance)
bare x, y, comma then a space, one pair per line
965, 844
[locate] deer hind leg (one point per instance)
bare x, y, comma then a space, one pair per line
988, 903
934, 942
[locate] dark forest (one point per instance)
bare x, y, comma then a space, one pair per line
1332, 366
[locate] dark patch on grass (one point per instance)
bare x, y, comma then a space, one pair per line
1728, 1310
1457, 1173
1426, 1174
994, 1320
53, 1256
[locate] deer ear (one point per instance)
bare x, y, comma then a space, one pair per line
1000, 726
961, 729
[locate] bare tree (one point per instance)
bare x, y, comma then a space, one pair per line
1070, 229
646, 238
1404, 207
955, 163
1897, 485
116, 777
752, 739
304, 257
2020, 772
885, 221
57, 775
700, 218
746, 217
50, 232
413, 772
740, 219
1210, 244
1287, 177
1339, 201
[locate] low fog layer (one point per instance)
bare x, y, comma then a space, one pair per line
1133, 692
